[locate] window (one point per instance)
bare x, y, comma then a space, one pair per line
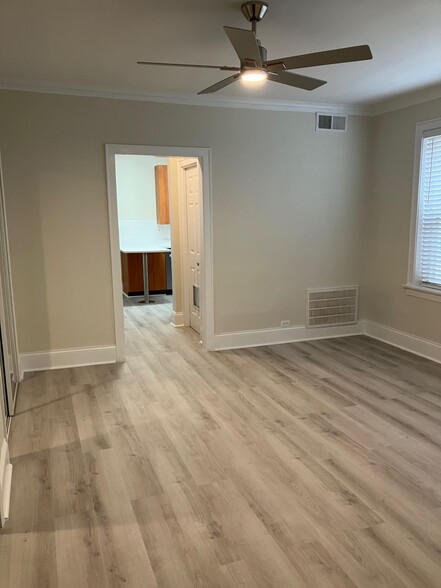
425, 247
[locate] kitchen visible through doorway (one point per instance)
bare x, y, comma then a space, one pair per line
156, 205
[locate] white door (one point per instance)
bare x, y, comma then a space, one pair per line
192, 190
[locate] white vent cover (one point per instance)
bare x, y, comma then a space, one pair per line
330, 307
331, 122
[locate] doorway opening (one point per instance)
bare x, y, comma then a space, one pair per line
160, 236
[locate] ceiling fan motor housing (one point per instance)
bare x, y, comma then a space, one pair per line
254, 11
250, 64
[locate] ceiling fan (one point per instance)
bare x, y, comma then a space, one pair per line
254, 65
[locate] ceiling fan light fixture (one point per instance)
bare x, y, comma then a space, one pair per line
254, 67
253, 75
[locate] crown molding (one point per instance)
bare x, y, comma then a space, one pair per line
406, 100
184, 99
378, 108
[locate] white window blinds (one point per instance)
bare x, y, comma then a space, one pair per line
429, 211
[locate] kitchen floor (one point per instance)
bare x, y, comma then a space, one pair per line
154, 298
315, 464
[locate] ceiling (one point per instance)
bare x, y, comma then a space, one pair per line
95, 44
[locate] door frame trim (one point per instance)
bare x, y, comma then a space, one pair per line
7, 306
183, 165
207, 297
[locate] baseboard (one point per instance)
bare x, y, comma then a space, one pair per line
177, 319
66, 358
411, 343
5, 482
416, 345
256, 338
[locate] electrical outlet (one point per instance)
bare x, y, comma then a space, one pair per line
285, 323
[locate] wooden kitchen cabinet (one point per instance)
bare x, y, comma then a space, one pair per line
157, 276
132, 276
162, 196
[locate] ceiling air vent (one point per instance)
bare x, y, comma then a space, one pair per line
331, 122
330, 307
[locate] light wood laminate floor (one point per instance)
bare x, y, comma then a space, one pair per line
314, 464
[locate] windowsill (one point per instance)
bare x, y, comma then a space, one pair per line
421, 292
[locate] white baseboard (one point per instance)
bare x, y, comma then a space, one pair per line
416, 345
66, 358
177, 319
5, 482
239, 339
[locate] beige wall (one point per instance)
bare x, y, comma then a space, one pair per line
388, 223
287, 209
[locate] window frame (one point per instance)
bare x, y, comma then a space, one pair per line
414, 287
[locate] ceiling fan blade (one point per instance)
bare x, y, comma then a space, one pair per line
220, 85
245, 44
221, 67
344, 55
295, 80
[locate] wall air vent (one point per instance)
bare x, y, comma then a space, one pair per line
331, 122
330, 307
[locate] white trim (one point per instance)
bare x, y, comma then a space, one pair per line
186, 99
259, 337
242, 339
118, 306
383, 106
413, 280
5, 482
207, 285
177, 319
411, 263
411, 343
207, 298
183, 234
7, 307
433, 294
67, 358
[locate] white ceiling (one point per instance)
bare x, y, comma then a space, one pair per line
96, 43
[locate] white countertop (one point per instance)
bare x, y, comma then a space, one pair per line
144, 248
143, 237
140, 245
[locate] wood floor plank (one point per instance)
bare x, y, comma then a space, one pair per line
78, 549
126, 561
313, 464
